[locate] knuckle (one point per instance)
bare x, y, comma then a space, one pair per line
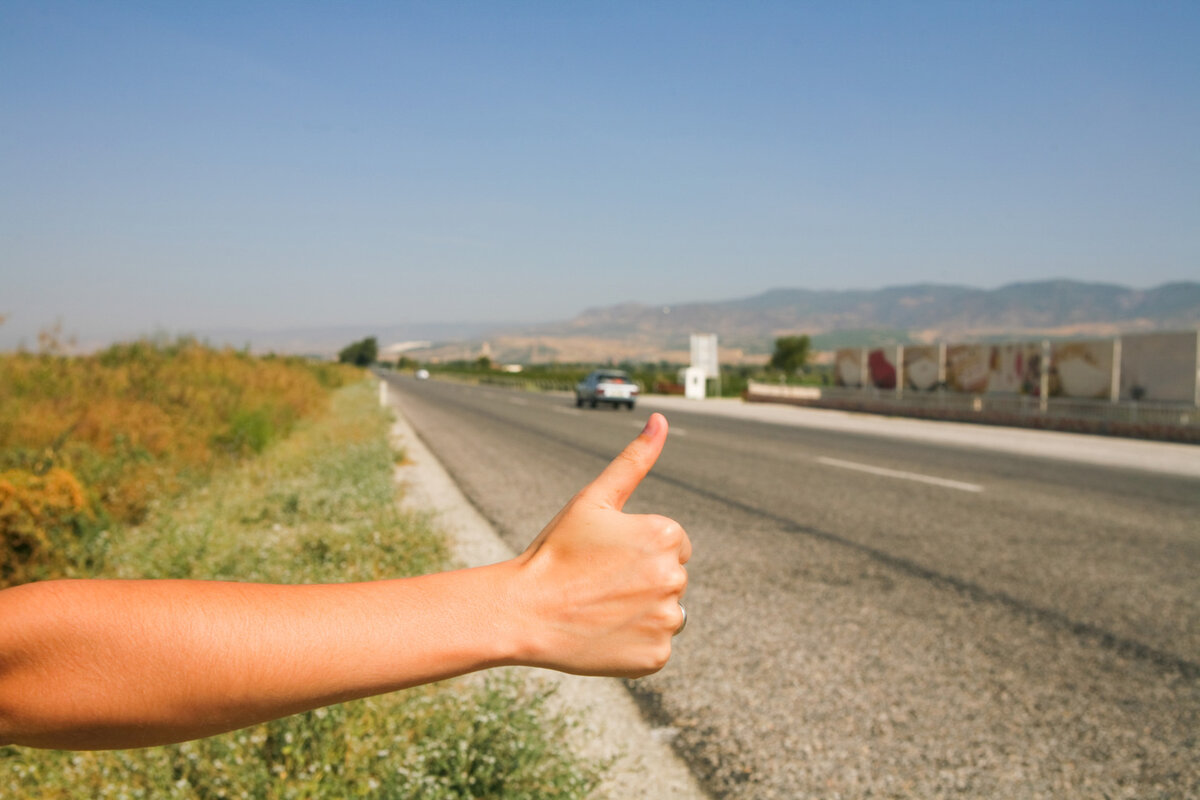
653, 659
667, 576
668, 618
661, 655
670, 533
678, 580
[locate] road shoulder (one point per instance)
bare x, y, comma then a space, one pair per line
613, 727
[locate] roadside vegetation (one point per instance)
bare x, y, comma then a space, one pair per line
277, 470
361, 353
788, 364
89, 443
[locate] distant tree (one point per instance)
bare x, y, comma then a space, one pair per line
361, 353
404, 362
349, 353
791, 353
483, 362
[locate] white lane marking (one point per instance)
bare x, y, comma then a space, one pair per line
895, 473
517, 401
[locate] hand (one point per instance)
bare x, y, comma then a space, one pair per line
596, 594
602, 587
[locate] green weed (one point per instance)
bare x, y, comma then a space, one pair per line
320, 506
127, 427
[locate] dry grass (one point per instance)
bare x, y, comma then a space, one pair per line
89, 441
316, 507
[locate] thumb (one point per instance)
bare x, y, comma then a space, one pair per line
616, 483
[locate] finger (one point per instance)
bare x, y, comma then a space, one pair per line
682, 616
685, 550
618, 480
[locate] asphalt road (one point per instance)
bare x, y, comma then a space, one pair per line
871, 616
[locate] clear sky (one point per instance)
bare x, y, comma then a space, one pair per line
181, 166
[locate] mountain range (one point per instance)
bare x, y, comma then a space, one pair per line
748, 326
915, 313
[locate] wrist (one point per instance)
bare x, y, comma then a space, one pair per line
517, 635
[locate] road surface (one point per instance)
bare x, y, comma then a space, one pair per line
881, 616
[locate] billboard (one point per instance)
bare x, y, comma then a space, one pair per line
848, 367
1082, 368
1015, 368
704, 354
922, 367
968, 367
1161, 366
1009, 368
881, 367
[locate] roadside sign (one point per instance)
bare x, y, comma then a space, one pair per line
704, 354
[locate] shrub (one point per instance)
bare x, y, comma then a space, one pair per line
31, 507
133, 423
791, 353
494, 739
320, 506
361, 353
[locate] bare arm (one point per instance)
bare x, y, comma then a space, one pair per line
101, 664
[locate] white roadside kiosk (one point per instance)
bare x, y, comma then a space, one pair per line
693, 383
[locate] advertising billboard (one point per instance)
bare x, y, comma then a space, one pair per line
1161, 367
1009, 368
848, 367
1082, 368
922, 367
881, 367
968, 367
1015, 368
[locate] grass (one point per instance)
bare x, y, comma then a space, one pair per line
319, 506
87, 442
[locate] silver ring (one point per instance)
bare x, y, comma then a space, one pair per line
683, 624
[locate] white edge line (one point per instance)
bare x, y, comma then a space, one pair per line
895, 473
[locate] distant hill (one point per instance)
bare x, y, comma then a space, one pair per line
748, 326
328, 340
922, 312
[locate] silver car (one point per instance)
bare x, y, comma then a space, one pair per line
607, 386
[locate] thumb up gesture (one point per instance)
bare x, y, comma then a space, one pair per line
597, 593
602, 587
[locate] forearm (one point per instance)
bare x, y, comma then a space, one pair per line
129, 663
105, 664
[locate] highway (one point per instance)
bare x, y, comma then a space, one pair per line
882, 616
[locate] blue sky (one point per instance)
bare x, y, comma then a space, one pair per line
195, 166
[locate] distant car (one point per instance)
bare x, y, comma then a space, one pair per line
422, 374
607, 386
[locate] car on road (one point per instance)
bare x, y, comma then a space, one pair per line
422, 374
607, 386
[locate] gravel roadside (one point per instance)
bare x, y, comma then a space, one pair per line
612, 726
